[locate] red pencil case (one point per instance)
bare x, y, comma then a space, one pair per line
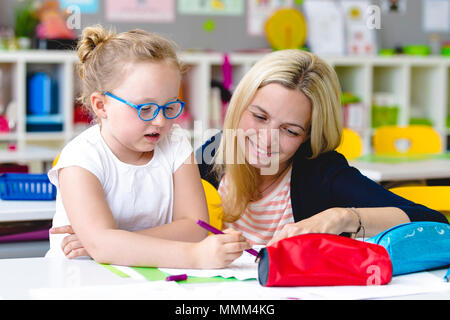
320, 259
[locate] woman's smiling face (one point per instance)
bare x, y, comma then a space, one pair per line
274, 125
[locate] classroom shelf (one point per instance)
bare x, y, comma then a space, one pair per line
353, 78
8, 94
8, 136
426, 90
391, 79
420, 86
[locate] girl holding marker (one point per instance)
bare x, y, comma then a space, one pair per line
128, 186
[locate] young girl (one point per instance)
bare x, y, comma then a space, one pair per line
123, 184
296, 95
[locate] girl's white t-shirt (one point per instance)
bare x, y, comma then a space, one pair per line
139, 197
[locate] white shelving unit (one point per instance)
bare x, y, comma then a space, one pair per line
421, 86
37, 146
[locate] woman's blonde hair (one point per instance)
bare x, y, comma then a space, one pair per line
293, 69
104, 55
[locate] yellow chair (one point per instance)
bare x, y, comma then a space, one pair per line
55, 161
351, 144
433, 197
409, 140
214, 203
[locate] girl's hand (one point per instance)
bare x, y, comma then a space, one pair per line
70, 245
333, 220
219, 250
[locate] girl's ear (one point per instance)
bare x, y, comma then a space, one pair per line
98, 104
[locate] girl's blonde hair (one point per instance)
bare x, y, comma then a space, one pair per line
104, 55
294, 69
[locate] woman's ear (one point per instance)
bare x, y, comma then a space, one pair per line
308, 132
98, 104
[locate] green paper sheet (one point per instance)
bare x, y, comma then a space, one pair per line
154, 274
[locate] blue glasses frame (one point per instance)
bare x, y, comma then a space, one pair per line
138, 107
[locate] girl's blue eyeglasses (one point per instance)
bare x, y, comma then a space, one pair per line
149, 111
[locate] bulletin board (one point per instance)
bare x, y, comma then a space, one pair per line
230, 31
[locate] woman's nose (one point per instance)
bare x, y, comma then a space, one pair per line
268, 137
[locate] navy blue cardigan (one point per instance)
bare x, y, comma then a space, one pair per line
326, 182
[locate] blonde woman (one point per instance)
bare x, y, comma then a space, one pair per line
284, 119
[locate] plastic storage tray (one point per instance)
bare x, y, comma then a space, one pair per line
25, 186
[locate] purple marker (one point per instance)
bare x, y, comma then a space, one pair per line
177, 277
210, 228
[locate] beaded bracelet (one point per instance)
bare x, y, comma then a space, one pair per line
360, 227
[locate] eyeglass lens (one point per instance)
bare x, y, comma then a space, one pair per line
172, 110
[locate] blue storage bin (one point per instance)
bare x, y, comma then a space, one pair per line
40, 94
26, 186
43, 123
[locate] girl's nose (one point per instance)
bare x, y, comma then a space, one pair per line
160, 120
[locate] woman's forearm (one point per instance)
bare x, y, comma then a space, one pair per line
375, 220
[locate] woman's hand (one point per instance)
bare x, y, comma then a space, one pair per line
70, 245
219, 250
333, 220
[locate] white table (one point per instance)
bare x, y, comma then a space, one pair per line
26, 278
26, 210
412, 170
18, 276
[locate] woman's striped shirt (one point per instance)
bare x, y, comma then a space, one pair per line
263, 218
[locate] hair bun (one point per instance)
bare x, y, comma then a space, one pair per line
91, 38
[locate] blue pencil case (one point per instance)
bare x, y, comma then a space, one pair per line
416, 246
